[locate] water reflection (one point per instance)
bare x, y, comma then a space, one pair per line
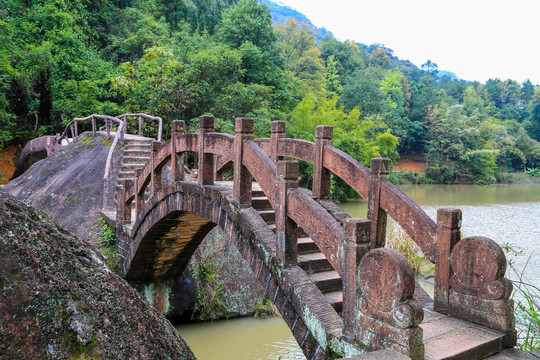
245, 338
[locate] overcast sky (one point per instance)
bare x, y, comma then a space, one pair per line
476, 39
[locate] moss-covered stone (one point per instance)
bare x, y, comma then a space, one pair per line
59, 300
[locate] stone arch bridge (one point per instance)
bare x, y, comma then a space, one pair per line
340, 291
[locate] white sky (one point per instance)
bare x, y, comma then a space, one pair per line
476, 39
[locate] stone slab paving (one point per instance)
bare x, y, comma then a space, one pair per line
450, 338
515, 354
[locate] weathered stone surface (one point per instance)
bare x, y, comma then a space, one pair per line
68, 185
388, 315
59, 300
387, 354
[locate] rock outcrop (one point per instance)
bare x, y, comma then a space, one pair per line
68, 185
60, 301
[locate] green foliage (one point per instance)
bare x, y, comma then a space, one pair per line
179, 59
265, 309
409, 177
533, 171
108, 233
400, 241
208, 305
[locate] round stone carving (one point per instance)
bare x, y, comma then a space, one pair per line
477, 261
385, 278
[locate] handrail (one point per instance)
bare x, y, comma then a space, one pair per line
142, 116
422, 229
121, 129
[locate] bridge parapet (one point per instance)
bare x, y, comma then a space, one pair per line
378, 286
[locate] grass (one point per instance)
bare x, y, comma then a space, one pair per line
400, 241
527, 307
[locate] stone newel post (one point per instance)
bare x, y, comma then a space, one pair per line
177, 160
321, 175
277, 132
286, 229
155, 181
448, 235
242, 178
379, 168
206, 161
355, 246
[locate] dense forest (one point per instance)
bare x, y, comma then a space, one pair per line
179, 59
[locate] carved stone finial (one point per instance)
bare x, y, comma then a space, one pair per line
388, 315
479, 266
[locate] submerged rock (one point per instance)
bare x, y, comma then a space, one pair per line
58, 299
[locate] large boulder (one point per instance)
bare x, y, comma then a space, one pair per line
68, 185
60, 301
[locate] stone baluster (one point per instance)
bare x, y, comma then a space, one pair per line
94, 127
277, 132
206, 160
355, 246
123, 210
242, 178
140, 125
286, 229
388, 315
321, 175
155, 175
76, 127
177, 160
448, 235
380, 167
139, 193
108, 128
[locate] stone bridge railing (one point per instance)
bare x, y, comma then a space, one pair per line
73, 129
379, 310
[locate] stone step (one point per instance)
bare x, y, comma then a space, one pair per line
140, 153
268, 215
126, 174
335, 298
260, 202
121, 179
327, 281
131, 167
306, 244
313, 262
257, 193
143, 143
139, 147
139, 160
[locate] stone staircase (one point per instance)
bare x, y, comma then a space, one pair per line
310, 257
135, 156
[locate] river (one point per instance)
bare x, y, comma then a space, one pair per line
510, 215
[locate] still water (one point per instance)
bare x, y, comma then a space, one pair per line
507, 214
242, 339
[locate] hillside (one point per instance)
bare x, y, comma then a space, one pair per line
182, 59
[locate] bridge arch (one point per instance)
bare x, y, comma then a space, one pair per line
214, 206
